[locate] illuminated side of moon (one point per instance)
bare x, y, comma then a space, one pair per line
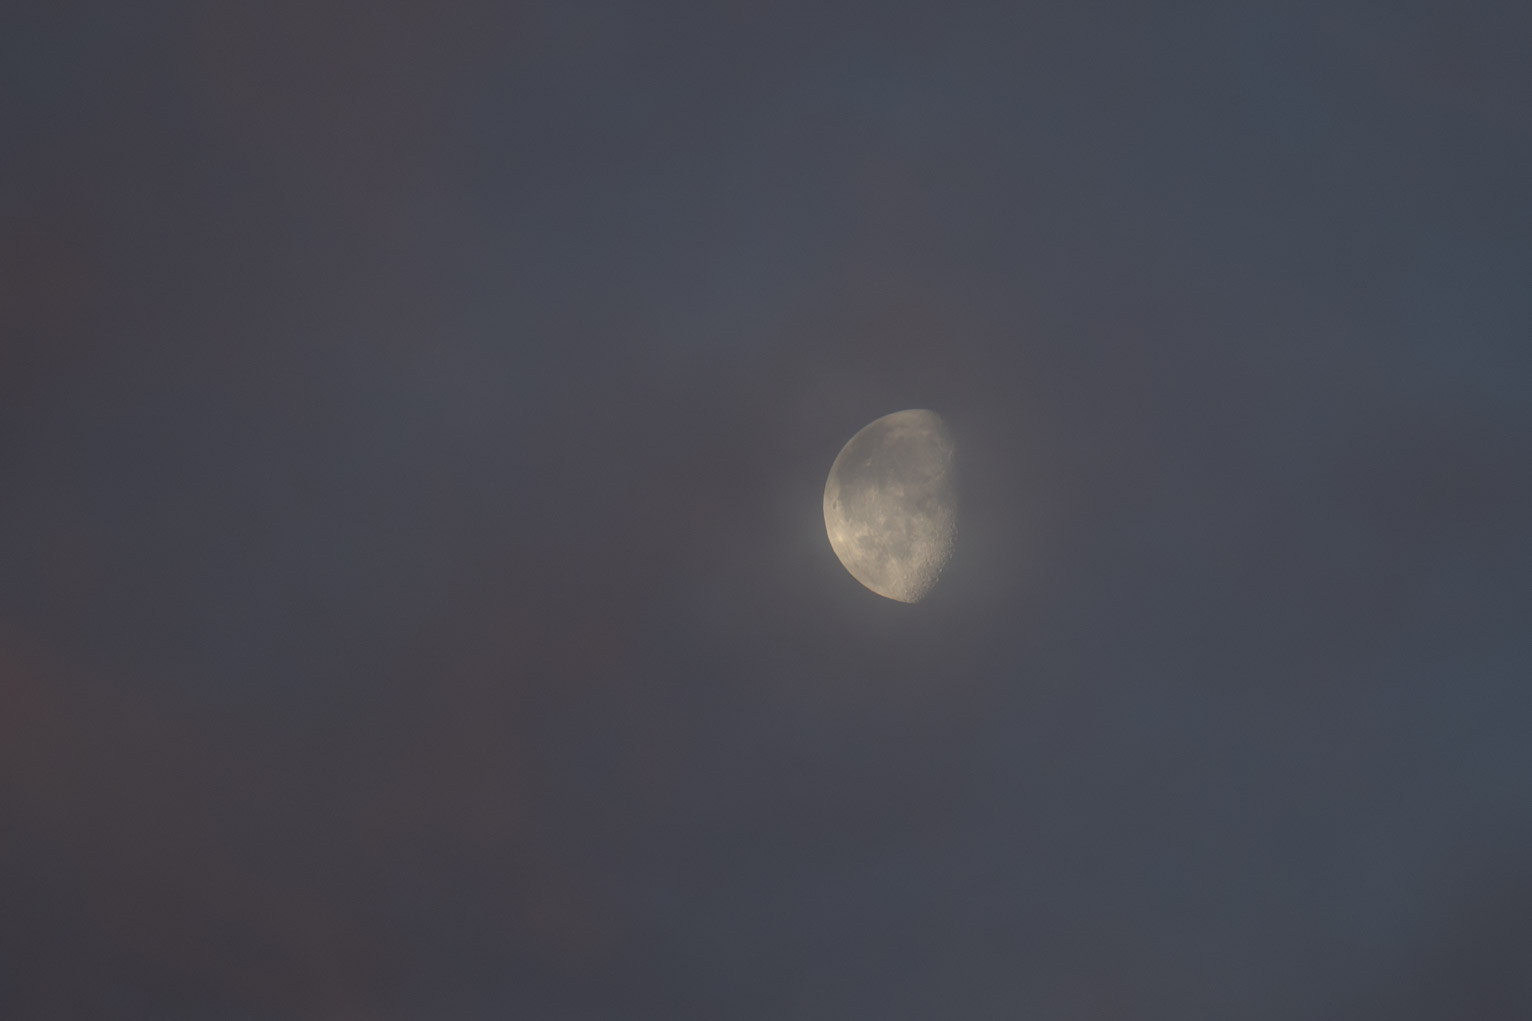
891, 504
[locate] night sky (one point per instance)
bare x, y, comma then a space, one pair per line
415, 601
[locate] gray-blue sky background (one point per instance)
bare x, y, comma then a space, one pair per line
414, 601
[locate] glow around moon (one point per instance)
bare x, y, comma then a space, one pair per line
891, 504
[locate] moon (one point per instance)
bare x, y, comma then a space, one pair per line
891, 504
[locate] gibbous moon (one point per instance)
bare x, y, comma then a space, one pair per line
891, 504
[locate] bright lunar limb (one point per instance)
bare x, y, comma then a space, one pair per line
891, 504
